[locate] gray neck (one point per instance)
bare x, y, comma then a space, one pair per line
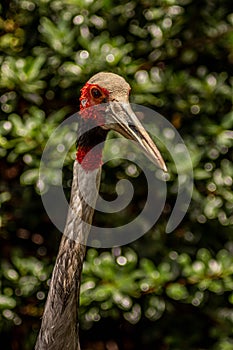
59, 328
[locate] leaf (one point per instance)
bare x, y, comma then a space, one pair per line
7, 302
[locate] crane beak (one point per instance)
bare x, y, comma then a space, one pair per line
122, 119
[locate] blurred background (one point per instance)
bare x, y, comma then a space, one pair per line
164, 291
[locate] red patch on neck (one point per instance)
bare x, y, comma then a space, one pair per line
89, 158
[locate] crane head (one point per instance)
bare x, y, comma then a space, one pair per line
111, 92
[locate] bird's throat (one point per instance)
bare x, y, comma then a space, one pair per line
90, 148
89, 158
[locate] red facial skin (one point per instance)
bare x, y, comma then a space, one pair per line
91, 95
88, 100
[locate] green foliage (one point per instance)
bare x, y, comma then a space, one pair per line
175, 290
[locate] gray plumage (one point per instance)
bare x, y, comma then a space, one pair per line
59, 328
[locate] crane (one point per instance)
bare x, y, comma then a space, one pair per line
59, 328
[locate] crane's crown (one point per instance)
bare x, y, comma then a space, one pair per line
103, 88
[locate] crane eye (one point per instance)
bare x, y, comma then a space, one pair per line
96, 93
